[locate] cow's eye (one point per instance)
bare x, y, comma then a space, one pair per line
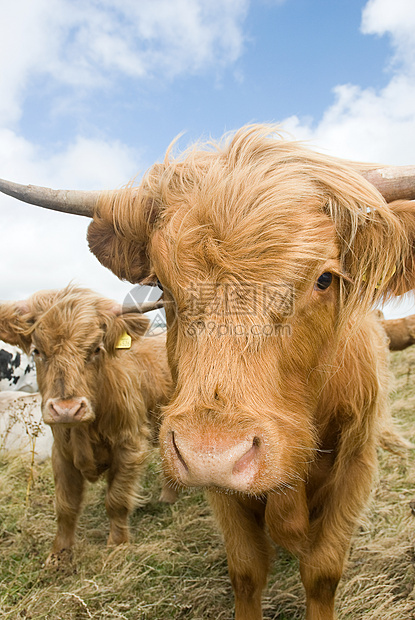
93, 354
324, 281
158, 283
38, 355
96, 351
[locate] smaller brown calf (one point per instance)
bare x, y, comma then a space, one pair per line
400, 332
101, 396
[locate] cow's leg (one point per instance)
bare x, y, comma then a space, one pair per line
123, 476
69, 486
335, 510
247, 547
287, 519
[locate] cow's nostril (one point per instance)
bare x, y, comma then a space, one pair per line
53, 411
79, 410
177, 451
250, 455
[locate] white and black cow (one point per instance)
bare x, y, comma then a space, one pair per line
17, 370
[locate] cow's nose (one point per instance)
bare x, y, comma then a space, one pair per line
67, 411
232, 463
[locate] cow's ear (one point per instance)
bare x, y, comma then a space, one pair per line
375, 239
120, 232
378, 250
402, 280
16, 324
122, 330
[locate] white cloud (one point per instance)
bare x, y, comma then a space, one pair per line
42, 249
84, 163
84, 43
369, 124
397, 19
28, 35
87, 44
364, 124
46, 250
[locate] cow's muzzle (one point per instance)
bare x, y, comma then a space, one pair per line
214, 460
70, 411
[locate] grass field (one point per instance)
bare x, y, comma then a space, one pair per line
175, 566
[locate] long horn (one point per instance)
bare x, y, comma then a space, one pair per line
146, 306
393, 182
69, 201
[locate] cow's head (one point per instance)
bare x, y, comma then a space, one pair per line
267, 252
72, 333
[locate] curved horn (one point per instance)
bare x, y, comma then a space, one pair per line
146, 306
69, 201
393, 182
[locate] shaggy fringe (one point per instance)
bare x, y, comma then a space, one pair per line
249, 182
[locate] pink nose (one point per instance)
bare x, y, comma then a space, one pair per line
231, 464
58, 411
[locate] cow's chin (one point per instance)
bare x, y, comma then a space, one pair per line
233, 462
70, 412
69, 423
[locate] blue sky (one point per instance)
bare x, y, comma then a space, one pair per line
93, 92
289, 56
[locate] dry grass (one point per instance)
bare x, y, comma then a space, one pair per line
175, 566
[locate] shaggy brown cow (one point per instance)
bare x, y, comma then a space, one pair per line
97, 397
271, 257
400, 332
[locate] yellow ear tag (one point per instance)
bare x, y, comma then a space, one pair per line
384, 279
124, 342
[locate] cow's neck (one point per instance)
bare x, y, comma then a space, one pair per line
84, 457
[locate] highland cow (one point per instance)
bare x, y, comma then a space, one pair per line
400, 332
100, 395
271, 258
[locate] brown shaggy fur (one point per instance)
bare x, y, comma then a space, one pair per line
73, 333
400, 332
278, 406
